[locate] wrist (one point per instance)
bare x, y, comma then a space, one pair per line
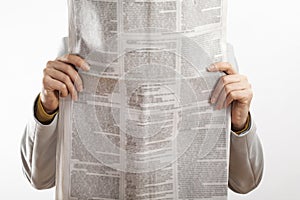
239, 116
240, 129
48, 100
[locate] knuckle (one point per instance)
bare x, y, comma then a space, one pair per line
239, 78
80, 62
77, 61
45, 71
232, 95
71, 71
68, 69
45, 80
49, 63
63, 94
224, 79
66, 79
62, 87
64, 91
245, 78
227, 89
228, 65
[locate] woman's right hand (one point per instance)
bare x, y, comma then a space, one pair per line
61, 78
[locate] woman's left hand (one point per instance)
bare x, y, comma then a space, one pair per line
232, 88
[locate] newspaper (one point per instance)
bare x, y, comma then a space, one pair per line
143, 127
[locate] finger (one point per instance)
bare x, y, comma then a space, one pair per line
74, 60
224, 80
69, 70
62, 77
243, 96
223, 67
52, 85
226, 90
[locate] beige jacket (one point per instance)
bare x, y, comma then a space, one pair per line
39, 142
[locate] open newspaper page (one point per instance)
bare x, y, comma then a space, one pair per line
143, 127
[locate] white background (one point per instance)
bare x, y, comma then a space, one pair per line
266, 37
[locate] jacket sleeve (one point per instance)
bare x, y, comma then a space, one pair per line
38, 153
38, 147
246, 161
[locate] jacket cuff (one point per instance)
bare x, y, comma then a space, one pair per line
40, 114
35, 127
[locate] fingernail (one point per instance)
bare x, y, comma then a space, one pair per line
74, 98
80, 88
212, 100
86, 66
211, 68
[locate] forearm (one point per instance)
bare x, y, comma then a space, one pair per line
38, 152
246, 161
